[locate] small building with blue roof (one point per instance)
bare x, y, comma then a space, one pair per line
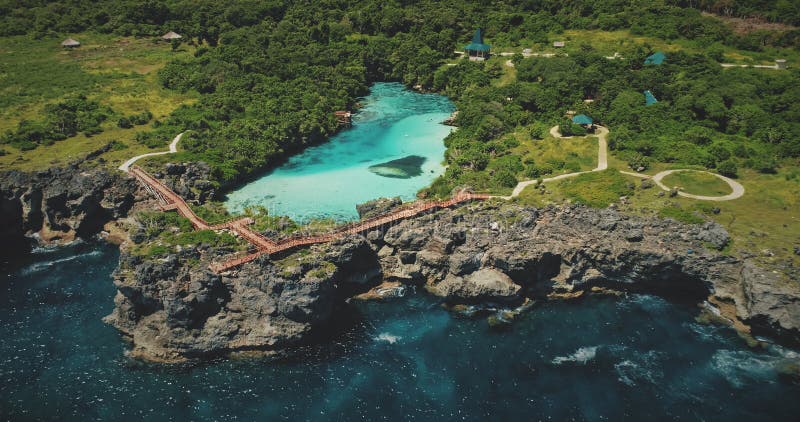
655, 58
477, 50
649, 98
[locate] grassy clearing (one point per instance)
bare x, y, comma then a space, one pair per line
595, 189
764, 222
610, 42
697, 183
116, 72
563, 155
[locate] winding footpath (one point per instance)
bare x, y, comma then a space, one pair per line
602, 162
169, 200
173, 148
737, 190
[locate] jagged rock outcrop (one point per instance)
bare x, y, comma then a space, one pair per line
478, 253
377, 207
59, 204
192, 181
174, 312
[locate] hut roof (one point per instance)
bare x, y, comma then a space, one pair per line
649, 98
477, 42
582, 119
171, 36
559, 44
656, 58
69, 42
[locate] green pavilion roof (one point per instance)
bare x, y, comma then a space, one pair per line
477, 47
649, 98
582, 119
656, 58
477, 42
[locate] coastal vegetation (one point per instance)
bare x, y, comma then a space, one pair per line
254, 82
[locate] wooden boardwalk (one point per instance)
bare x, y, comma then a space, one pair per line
171, 201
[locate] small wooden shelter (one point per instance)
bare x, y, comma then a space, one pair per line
559, 44
477, 50
169, 36
70, 43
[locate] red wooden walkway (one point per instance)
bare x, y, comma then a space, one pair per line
264, 246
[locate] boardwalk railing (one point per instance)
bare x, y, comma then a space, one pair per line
170, 200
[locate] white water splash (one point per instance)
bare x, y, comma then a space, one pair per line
582, 355
645, 367
742, 366
46, 265
388, 338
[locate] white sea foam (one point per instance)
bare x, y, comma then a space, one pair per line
644, 367
582, 355
388, 338
740, 366
46, 265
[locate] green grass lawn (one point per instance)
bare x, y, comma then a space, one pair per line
697, 183
119, 72
596, 189
564, 155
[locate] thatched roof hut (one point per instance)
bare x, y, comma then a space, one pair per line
70, 43
169, 36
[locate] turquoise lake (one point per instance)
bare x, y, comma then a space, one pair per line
637, 358
327, 181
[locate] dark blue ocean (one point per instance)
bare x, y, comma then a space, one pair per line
633, 358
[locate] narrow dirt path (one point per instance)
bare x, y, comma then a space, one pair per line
173, 148
602, 161
737, 190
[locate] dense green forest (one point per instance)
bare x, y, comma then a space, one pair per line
270, 74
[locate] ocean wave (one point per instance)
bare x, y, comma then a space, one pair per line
46, 265
582, 355
387, 338
645, 367
739, 367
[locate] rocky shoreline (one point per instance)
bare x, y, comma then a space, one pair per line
59, 205
493, 252
481, 253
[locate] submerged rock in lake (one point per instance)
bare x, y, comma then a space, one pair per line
402, 168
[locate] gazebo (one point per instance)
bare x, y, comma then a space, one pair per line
656, 58
169, 36
477, 50
70, 43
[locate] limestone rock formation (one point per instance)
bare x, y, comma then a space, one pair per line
59, 204
478, 253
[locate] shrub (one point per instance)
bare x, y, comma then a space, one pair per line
571, 129
539, 130
505, 178
636, 161
124, 123
727, 168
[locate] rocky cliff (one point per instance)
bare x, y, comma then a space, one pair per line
478, 253
59, 205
